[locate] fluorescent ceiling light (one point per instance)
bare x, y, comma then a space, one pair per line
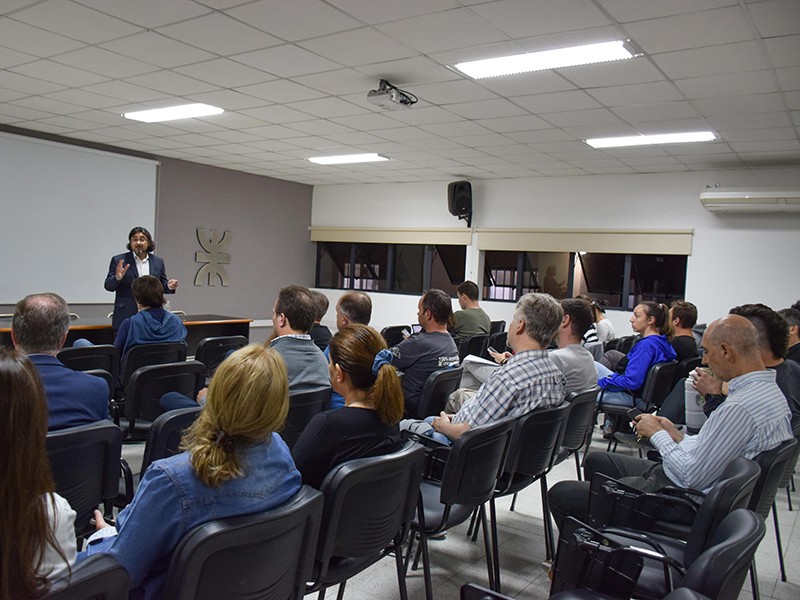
172, 113
649, 140
343, 159
548, 59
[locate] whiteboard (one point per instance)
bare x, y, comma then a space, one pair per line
64, 212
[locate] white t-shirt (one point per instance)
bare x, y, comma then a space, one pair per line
61, 518
605, 330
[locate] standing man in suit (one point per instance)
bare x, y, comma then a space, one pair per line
39, 329
124, 268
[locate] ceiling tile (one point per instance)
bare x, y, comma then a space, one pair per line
149, 13
783, 51
753, 121
12, 58
656, 112
377, 12
597, 116
359, 47
157, 49
327, 107
788, 78
541, 82
220, 34
32, 40
171, 83
124, 91
757, 103
524, 18
280, 91
295, 20
56, 73
740, 84
83, 98
451, 92
227, 99
557, 102
442, 31
776, 17
621, 72
626, 11
104, 62
487, 109
75, 21
286, 61
514, 124
714, 60
639, 93
276, 114
338, 82
224, 73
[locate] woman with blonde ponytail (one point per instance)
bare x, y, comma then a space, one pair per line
234, 464
361, 371
650, 320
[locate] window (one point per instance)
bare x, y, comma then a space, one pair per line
399, 268
508, 275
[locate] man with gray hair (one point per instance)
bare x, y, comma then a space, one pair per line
527, 380
39, 329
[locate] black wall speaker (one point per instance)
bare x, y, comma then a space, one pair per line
459, 198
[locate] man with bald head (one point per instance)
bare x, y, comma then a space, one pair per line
753, 419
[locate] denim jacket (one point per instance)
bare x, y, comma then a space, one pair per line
171, 500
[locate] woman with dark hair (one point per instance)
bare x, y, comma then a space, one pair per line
650, 320
605, 330
125, 268
234, 464
361, 371
37, 529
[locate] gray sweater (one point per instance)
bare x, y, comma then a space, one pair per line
305, 363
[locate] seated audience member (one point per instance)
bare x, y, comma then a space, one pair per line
234, 464
683, 316
528, 379
38, 541
753, 419
39, 329
152, 324
771, 328
572, 359
651, 320
432, 349
471, 319
353, 308
361, 371
792, 317
602, 325
320, 334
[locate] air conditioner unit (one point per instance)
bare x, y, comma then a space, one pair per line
740, 200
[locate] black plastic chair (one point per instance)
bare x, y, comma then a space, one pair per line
211, 351
579, 425
303, 406
657, 385
148, 384
677, 594
472, 591
468, 481
369, 505
498, 341
394, 334
474, 345
718, 572
265, 555
85, 461
497, 327
88, 358
150, 354
686, 366
98, 577
438, 387
773, 465
163, 441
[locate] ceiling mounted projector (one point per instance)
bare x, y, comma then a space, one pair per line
390, 97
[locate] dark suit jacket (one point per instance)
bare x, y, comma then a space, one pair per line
124, 304
73, 398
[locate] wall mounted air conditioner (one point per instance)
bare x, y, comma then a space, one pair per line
740, 200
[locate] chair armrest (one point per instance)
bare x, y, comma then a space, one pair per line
127, 476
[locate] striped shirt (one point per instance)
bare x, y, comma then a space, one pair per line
528, 380
754, 418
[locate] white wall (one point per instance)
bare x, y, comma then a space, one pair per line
735, 258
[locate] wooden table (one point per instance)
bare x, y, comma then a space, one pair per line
99, 331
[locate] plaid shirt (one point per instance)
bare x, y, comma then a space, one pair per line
528, 380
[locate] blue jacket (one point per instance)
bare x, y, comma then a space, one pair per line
73, 398
171, 500
647, 352
151, 326
124, 304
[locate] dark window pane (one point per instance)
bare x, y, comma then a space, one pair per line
601, 277
334, 262
546, 272
658, 278
408, 269
370, 268
449, 265
500, 275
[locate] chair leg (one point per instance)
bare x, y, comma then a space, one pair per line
477, 527
490, 538
401, 571
321, 594
472, 522
778, 540
754, 580
340, 593
513, 502
789, 497
578, 465
426, 566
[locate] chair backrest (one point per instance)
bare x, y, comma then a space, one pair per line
788, 472
731, 491
368, 503
474, 345
580, 419
263, 555
474, 463
498, 341
773, 464
537, 436
164, 436
721, 569
98, 577
148, 384
439, 385
658, 383
85, 461
393, 334
211, 351
686, 366
472, 591
150, 354
86, 358
303, 406
622, 344
105, 375
497, 327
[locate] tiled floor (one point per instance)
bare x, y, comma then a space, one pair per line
456, 560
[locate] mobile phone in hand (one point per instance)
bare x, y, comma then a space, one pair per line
633, 413
492, 350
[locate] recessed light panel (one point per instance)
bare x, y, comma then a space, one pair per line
649, 140
173, 113
343, 159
